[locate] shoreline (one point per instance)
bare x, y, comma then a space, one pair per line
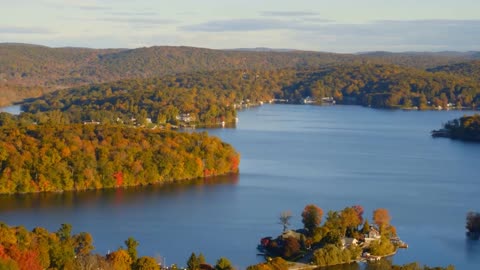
304, 266
176, 182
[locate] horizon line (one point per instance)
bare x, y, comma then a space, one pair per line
244, 49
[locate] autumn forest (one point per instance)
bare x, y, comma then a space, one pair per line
117, 118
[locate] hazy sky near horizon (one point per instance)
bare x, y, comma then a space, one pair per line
319, 25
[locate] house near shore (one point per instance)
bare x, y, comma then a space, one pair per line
185, 117
328, 100
309, 100
347, 242
372, 235
292, 234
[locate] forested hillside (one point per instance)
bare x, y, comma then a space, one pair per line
469, 69
208, 98
387, 86
40, 158
213, 97
31, 65
30, 70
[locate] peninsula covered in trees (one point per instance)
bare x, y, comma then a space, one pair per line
212, 98
466, 128
42, 158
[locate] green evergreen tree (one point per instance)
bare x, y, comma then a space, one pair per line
223, 264
132, 245
201, 259
146, 263
366, 227
192, 263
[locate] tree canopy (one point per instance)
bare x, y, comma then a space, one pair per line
311, 217
41, 158
466, 128
209, 98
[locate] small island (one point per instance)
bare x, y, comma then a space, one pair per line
344, 238
466, 128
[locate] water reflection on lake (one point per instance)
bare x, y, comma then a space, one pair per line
110, 197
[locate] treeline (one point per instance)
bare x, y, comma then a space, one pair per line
42, 158
39, 249
207, 98
465, 128
468, 69
386, 86
213, 97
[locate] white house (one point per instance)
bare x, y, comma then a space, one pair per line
372, 235
347, 241
185, 117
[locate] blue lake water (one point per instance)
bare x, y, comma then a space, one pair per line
14, 109
333, 156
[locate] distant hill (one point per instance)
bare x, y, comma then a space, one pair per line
157, 61
25, 66
422, 60
470, 69
28, 65
455, 54
31, 70
261, 49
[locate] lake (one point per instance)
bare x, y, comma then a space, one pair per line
14, 109
333, 156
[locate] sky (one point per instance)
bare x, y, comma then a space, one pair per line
344, 26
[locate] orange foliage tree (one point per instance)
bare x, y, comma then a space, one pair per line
359, 210
26, 259
381, 217
311, 217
